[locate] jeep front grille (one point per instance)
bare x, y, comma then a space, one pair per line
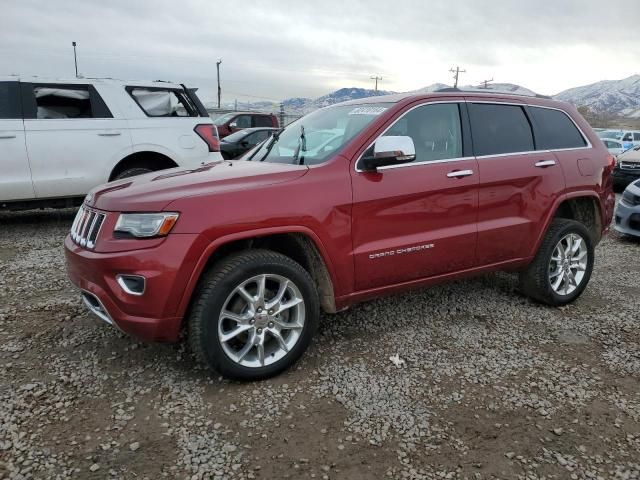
86, 227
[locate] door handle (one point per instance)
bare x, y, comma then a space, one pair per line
545, 163
7, 135
109, 134
459, 173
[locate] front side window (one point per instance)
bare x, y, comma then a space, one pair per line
9, 100
435, 130
627, 138
157, 102
320, 135
257, 137
59, 103
499, 129
555, 130
223, 119
243, 121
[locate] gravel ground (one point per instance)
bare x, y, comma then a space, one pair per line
487, 384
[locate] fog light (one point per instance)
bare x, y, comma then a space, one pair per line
132, 284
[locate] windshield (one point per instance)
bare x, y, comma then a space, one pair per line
315, 138
224, 118
616, 134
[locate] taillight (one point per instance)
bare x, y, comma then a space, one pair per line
611, 162
209, 134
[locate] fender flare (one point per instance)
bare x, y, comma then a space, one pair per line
552, 213
245, 235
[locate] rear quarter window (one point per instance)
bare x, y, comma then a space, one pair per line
555, 130
159, 102
499, 129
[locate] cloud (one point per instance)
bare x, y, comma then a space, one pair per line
284, 48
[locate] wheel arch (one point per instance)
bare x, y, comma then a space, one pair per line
582, 206
144, 158
299, 243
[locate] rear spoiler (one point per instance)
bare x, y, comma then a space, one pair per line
191, 93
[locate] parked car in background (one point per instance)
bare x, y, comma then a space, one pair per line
627, 168
234, 145
615, 147
242, 255
61, 138
628, 211
232, 122
628, 138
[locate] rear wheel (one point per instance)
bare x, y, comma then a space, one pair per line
254, 315
132, 172
562, 267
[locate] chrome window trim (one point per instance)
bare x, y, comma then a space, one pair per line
410, 164
479, 157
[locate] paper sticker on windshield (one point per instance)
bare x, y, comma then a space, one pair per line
367, 111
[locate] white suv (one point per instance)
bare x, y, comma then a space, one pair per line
59, 139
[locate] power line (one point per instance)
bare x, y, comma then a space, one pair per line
485, 83
456, 75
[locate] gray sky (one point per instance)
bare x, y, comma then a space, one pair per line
284, 48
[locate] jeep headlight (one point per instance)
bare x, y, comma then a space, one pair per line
145, 225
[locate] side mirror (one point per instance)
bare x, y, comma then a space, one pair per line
392, 150
233, 125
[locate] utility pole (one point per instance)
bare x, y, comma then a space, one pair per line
219, 89
485, 83
75, 57
376, 78
456, 75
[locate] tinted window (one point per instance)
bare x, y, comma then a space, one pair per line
157, 102
554, 130
435, 130
9, 100
258, 137
262, 121
499, 129
628, 137
611, 144
60, 102
636, 137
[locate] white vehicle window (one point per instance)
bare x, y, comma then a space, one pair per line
58, 103
628, 137
636, 137
156, 102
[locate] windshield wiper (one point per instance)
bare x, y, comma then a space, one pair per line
269, 145
302, 145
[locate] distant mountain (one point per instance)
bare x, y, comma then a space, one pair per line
621, 97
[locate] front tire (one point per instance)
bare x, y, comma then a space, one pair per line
253, 316
562, 267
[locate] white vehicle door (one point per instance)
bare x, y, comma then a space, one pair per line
15, 174
73, 139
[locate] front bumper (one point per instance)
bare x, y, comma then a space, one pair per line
167, 268
627, 219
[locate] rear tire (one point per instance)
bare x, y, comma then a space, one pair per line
244, 334
132, 172
562, 267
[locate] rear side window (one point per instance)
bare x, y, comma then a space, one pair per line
9, 100
262, 121
555, 130
636, 137
68, 102
159, 102
498, 129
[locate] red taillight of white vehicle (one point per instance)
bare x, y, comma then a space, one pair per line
611, 162
209, 134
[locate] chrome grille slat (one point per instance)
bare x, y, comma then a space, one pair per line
86, 227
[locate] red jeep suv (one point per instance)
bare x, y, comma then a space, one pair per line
354, 201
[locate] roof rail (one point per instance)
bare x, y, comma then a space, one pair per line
489, 90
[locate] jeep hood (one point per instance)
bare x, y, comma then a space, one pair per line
154, 191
